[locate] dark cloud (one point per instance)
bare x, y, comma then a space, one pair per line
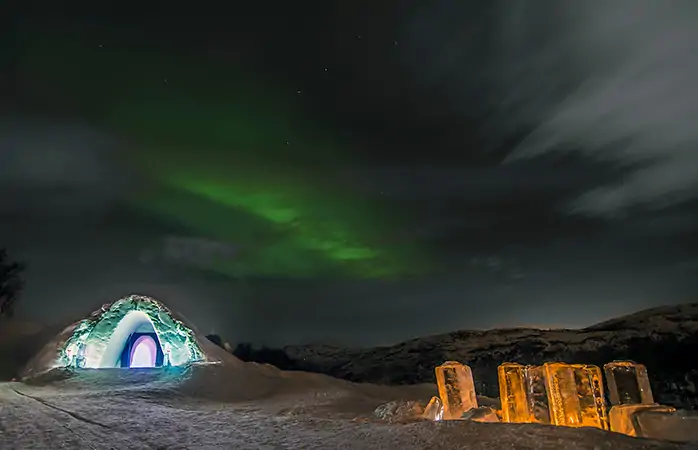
199, 252
56, 167
540, 153
586, 78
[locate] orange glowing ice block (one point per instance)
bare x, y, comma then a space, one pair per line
575, 395
456, 389
434, 409
512, 393
484, 414
623, 418
523, 394
667, 425
628, 383
538, 394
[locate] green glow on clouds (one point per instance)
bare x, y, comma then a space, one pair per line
214, 144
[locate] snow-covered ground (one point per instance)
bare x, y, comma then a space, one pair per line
250, 406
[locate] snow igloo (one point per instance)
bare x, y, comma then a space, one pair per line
134, 332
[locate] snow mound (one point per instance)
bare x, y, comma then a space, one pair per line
97, 341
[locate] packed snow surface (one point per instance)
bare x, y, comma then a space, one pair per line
250, 406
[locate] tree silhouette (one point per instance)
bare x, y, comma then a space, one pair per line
11, 284
216, 339
265, 355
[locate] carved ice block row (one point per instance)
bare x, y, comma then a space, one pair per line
434, 409
628, 383
624, 418
456, 389
575, 395
523, 394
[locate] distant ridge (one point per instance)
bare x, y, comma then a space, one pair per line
665, 339
653, 317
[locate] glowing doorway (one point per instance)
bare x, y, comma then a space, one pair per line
144, 352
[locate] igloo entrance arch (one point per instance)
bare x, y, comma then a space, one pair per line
133, 343
135, 331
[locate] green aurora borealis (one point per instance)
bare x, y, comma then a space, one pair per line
230, 157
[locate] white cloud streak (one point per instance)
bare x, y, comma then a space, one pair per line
614, 81
638, 103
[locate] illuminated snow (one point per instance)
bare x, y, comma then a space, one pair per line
97, 342
206, 407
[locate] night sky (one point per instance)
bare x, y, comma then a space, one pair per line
353, 173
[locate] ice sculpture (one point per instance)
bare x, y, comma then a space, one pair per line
103, 338
538, 394
623, 418
434, 409
523, 393
110, 337
512, 393
628, 383
575, 395
661, 423
456, 389
485, 414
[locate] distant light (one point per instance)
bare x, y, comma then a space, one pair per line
144, 352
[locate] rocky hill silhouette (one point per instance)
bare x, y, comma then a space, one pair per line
665, 339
